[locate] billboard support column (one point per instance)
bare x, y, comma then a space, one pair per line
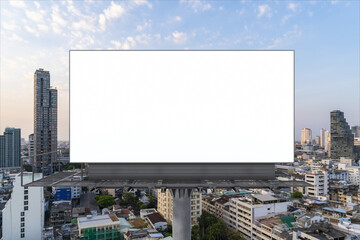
181, 220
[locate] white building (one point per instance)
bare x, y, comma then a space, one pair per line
244, 213
322, 137
319, 182
23, 215
327, 141
306, 136
354, 174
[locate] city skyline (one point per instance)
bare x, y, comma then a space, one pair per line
39, 34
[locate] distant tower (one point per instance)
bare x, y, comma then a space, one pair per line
317, 140
356, 131
327, 142
322, 137
306, 136
10, 148
342, 139
45, 119
31, 148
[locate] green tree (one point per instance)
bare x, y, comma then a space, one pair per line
195, 232
105, 201
27, 167
217, 231
297, 194
234, 235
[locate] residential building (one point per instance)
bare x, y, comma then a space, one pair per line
45, 119
165, 205
10, 148
23, 216
247, 215
60, 213
156, 221
322, 137
66, 193
342, 139
319, 182
99, 227
327, 142
317, 140
306, 136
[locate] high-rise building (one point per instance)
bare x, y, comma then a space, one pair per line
322, 137
10, 148
317, 140
327, 141
165, 206
342, 139
45, 119
356, 131
31, 148
306, 136
23, 215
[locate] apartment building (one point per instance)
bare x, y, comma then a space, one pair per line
319, 182
165, 205
256, 216
23, 215
99, 227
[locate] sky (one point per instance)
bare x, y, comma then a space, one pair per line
324, 34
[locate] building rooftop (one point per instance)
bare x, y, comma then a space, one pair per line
97, 220
264, 198
155, 218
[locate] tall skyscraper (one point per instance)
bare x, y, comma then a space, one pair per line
322, 137
342, 139
10, 148
306, 136
317, 140
327, 142
45, 119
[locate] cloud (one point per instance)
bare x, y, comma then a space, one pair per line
179, 37
177, 19
43, 27
114, 11
15, 37
264, 10
37, 4
143, 39
18, 4
334, 2
285, 38
144, 26
129, 43
36, 16
32, 30
116, 44
102, 22
57, 21
285, 18
292, 6
197, 5
142, 2
9, 26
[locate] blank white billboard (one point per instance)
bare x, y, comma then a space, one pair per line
182, 106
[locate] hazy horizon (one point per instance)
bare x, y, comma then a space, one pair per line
324, 35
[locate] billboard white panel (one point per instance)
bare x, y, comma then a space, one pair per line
182, 106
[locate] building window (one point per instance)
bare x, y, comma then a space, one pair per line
22, 235
22, 214
26, 208
22, 230
22, 219
22, 224
26, 197
26, 192
26, 202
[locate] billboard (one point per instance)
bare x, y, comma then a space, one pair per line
181, 106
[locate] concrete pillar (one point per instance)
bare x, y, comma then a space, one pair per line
181, 220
